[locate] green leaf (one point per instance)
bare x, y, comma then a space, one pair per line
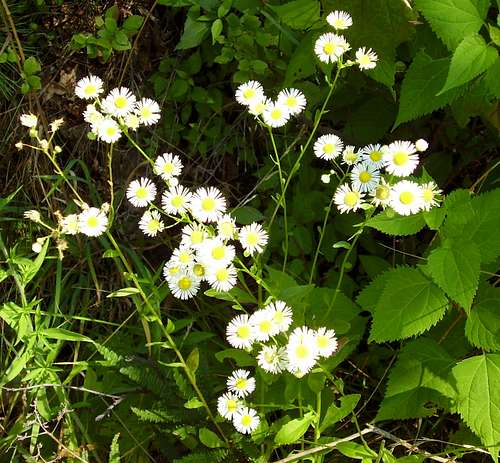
455, 266
29, 269
114, 451
482, 327
64, 335
471, 58
235, 294
31, 66
423, 80
216, 29
418, 377
298, 14
241, 357
124, 292
292, 431
300, 65
435, 217
133, 23
193, 361
355, 450
334, 414
397, 225
478, 400
193, 35
451, 20
410, 304
370, 295
210, 439
245, 215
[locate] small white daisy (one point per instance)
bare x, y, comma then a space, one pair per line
208, 204
241, 383
193, 234
215, 253
168, 165
119, 102
326, 342
366, 59
373, 155
282, 316
430, 195
171, 269
263, 322
421, 145
246, 420
292, 99
328, 147
183, 256
301, 351
141, 192
381, 194
350, 156
132, 121
71, 224
148, 111
276, 115
89, 87
330, 47
339, 20
364, 177
29, 120
253, 238
272, 359
177, 200
107, 130
249, 92
151, 223
226, 227
199, 271
92, 116
228, 404
401, 158
406, 197
183, 285
92, 222
240, 333
347, 199
221, 278
258, 106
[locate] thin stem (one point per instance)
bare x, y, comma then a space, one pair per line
317, 432
111, 185
138, 148
320, 242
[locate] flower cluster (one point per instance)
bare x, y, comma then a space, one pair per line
331, 47
232, 406
278, 350
375, 172
290, 102
120, 110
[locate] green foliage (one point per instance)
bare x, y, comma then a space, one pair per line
293, 430
398, 225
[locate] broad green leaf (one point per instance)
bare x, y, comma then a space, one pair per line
31, 66
418, 377
355, 450
410, 304
334, 414
193, 361
471, 58
455, 266
210, 439
193, 35
397, 225
435, 217
292, 431
423, 80
370, 295
245, 215
482, 326
300, 65
241, 357
298, 14
133, 23
478, 402
235, 293
124, 292
64, 335
216, 29
451, 20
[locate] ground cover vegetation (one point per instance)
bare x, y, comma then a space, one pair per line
250, 231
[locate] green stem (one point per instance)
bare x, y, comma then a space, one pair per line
320, 242
317, 433
111, 186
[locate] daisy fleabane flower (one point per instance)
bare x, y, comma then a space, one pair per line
401, 158
350, 156
339, 20
119, 102
177, 200
364, 177
183, 256
132, 121
330, 47
228, 404
246, 420
421, 145
208, 204
222, 278
258, 106
107, 130
430, 194
215, 252
326, 342
373, 155
292, 99
92, 116
141, 192
347, 199
276, 114
240, 333
328, 147
406, 197
249, 92
381, 194
366, 59
92, 222
241, 383
148, 111
193, 234
168, 165
272, 359
263, 322
29, 120
70, 225
226, 227
281, 316
301, 350
89, 87
151, 223
184, 285
253, 238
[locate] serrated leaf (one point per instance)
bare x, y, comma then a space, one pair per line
482, 327
423, 80
451, 20
292, 431
455, 266
397, 225
410, 304
419, 376
334, 414
478, 400
369, 296
298, 14
435, 217
471, 58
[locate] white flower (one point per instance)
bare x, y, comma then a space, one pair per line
70, 225
89, 87
258, 106
272, 359
326, 342
141, 192
29, 120
119, 102
226, 227
381, 194
33, 215
246, 420
151, 223
132, 121
148, 111
406, 197
366, 59
183, 285
347, 199
330, 47
36, 247
325, 178
183, 256
222, 278
208, 204
421, 145
215, 253
339, 20
107, 130
364, 177
292, 99
276, 114
328, 146
240, 383
171, 269
249, 92
301, 351
350, 156
240, 333
253, 238
281, 315
168, 165
193, 235
228, 404
429, 192
263, 322
199, 270
177, 200
373, 155
92, 222
92, 116
401, 158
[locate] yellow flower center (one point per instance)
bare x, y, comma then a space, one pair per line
400, 158
222, 274
376, 156
196, 236
241, 383
278, 317
92, 222
351, 156
270, 357
208, 204
382, 192
177, 201
265, 326
322, 341
291, 101
185, 257
248, 93
90, 89
276, 114
243, 332
365, 177
121, 102
146, 112
141, 193
232, 405
174, 270
301, 351
153, 225
219, 252
246, 420
252, 239
227, 229
329, 48
198, 270
110, 131
168, 168
364, 59
407, 197
351, 198
428, 195
184, 283
329, 148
